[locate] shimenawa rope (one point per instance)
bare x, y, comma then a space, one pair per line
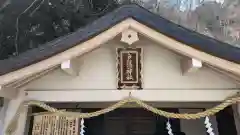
13, 123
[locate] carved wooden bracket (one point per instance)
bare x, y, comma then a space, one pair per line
70, 67
190, 65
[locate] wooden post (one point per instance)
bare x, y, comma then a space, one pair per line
3, 110
29, 123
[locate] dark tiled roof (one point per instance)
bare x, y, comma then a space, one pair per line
164, 26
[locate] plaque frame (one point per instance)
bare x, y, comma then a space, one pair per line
129, 61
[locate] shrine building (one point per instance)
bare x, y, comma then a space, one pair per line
129, 52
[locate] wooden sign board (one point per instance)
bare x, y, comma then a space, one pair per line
55, 125
129, 68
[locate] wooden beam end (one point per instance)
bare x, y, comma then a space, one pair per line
190, 65
70, 67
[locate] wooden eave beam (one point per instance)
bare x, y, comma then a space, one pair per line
107, 95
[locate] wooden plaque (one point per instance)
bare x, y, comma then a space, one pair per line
129, 68
55, 125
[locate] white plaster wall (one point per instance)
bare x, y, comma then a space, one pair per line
96, 71
196, 127
161, 71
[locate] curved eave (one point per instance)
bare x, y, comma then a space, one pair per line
175, 37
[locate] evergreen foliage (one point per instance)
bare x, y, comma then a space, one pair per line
27, 24
44, 20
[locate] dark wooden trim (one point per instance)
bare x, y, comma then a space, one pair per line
29, 122
129, 68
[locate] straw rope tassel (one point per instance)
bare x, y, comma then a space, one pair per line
208, 126
82, 127
169, 128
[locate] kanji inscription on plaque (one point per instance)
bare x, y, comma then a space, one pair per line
129, 66
55, 125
